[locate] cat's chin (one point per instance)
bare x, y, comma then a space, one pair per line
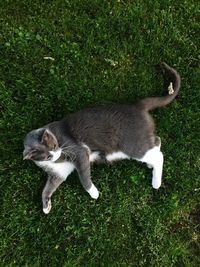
56, 154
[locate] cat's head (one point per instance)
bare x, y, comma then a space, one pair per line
41, 145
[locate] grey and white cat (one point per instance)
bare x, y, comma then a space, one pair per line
101, 134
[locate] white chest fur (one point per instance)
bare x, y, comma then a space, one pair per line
62, 169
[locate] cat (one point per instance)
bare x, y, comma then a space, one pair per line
100, 134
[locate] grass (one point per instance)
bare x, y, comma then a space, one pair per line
105, 52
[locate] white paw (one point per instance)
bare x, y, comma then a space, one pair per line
156, 183
48, 208
93, 191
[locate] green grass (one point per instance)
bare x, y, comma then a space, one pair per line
105, 52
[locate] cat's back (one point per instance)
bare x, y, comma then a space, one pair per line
106, 121
104, 114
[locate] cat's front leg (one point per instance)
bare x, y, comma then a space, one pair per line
83, 169
52, 184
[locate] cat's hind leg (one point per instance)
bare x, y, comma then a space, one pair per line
154, 158
158, 144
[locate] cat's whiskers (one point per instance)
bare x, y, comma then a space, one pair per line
63, 145
67, 148
71, 157
69, 153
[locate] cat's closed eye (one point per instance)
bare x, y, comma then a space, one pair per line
49, 157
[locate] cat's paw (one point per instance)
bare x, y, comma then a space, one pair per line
93, 191
47, 206
156, 183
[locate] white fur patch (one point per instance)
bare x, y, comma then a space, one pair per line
94, 193
151, 155
117, 156
94, 156
62, 169
47, 210
56, 154
154, 158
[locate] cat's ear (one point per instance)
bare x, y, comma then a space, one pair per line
48, 139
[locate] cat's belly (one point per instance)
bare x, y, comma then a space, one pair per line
116, 156
62, 169
95, 156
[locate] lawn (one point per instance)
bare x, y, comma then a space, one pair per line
57, 57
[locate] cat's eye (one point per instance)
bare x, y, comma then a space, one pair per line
54, 146
49, 157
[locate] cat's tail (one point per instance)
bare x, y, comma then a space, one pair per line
173, 89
